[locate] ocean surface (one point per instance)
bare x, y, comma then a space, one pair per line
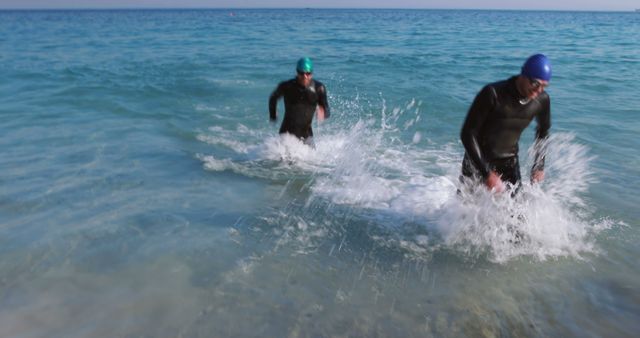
144, 193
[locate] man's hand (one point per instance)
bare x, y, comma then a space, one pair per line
494, 183
320, 112
537, 176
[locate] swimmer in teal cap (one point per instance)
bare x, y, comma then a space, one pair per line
303, 96
495, 121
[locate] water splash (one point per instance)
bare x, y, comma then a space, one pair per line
542, 221
254, 154
375, 171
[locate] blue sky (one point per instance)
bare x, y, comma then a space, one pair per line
610, 5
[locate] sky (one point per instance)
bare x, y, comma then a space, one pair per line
587, 5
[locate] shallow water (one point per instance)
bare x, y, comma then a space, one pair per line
144, 193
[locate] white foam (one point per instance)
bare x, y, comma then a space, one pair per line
230, 82
368, 167
542, 221
238, 147
289, 148
204, 107
550, 220
213, 164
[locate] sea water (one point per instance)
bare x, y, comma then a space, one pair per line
144, 193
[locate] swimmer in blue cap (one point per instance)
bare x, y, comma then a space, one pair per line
303, 96
495, 121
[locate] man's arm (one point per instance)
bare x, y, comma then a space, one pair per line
273, 101
543, 120
470, 133
323, 105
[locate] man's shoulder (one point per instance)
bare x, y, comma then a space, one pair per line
506, 87
492, 89
543, 98
319, 86
287, 83
500, 84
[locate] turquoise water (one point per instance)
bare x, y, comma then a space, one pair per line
143, 191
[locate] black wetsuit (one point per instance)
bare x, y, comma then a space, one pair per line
493, 126
299, 106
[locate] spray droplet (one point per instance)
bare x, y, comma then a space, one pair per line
417, 137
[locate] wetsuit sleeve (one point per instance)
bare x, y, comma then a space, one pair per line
322, 100
484, 103
543, 120
273, 101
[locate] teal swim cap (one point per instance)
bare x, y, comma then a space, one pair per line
305, 65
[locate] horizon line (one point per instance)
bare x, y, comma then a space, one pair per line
310, 8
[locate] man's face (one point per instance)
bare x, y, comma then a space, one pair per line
304, 78
534, 87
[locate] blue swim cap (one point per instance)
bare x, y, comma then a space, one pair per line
305, 65
537, 67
